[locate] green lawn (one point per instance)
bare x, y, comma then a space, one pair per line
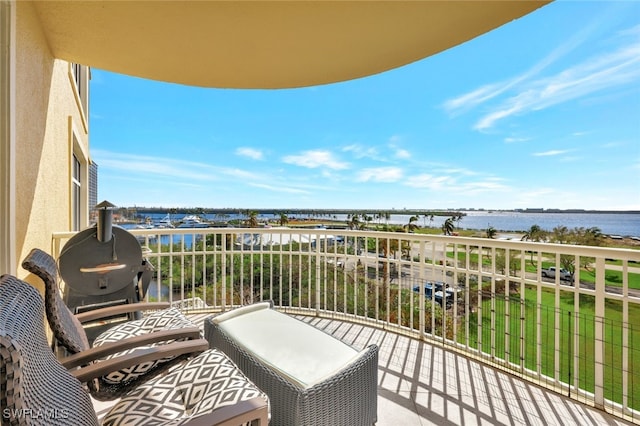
523, 339
612, 277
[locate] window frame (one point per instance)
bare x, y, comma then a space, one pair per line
78, 182
79, 76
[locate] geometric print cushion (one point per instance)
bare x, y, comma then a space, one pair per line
199, 386
166, 319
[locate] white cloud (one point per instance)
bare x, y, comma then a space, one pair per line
608, 70
179, 170
403, 154
148, 165
398, 152
252, 153
551, 153
613, 144
527, 93
314, 159
453, 184
516, 140
379, 154
578, 134
474, 98
380, 174
459, 171
279, 188
360, 151
428, 181
491, 185
487, 92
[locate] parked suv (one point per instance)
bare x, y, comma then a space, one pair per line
551, 273
435, 291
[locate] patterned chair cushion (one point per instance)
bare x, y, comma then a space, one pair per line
201, 385
167, 319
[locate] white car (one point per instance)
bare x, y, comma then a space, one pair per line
551, 273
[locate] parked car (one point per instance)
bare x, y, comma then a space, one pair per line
435, 291
551, 273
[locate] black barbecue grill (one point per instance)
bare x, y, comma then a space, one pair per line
103, 266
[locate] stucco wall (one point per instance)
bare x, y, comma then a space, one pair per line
46, 111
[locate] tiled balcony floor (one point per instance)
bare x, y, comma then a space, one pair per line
421, 384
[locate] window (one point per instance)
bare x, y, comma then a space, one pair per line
80, 76
77, 76
76, 188
93, 192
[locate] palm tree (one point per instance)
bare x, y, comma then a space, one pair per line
491, 232
354, 222
560, 234
448, 226
592, 236
284, 219
378, 217
535, 233
252, 219
411, 226
367, 219
458, 218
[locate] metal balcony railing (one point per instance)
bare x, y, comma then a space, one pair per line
578, 334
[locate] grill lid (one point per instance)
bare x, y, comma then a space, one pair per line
100, 260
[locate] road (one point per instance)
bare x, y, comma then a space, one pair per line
410, 274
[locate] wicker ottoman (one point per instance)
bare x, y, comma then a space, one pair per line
311, 378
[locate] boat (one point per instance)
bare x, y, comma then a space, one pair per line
146, 225
192, 221
164, 223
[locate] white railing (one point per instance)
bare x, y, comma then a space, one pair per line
487, 298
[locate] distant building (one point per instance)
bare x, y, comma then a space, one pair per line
93, 191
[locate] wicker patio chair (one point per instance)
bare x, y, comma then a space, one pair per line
35, 389
163, 326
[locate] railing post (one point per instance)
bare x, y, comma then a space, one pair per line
223, 270
318, 273
599, 335
569, 341
557, 319
421, 280
627, 330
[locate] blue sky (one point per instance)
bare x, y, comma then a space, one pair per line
543, 112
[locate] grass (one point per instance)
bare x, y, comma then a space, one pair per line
556, 325
613, 277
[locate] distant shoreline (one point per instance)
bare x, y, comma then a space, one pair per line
610, 223
325, 211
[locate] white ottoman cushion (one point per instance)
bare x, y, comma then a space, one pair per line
303, 354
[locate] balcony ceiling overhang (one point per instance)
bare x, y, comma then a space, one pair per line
264, 44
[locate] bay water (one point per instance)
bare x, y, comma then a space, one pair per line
622, 224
